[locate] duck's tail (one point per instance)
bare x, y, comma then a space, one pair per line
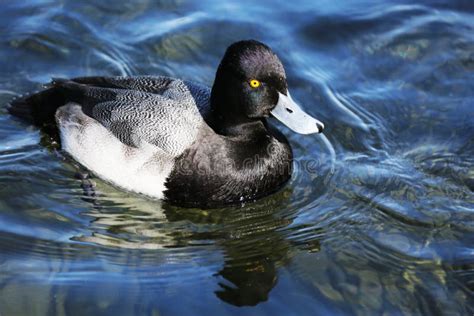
39, 108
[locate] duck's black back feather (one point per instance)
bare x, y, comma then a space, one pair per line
39, 108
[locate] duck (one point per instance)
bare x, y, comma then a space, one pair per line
176, 140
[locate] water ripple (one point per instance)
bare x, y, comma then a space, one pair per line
377, 218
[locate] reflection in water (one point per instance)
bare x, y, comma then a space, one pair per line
251, 281
251, 239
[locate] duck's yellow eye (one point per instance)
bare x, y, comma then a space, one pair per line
254, 83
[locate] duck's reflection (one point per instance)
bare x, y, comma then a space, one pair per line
253, 245
252, 238
251, 282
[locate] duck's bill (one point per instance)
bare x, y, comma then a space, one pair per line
290, 114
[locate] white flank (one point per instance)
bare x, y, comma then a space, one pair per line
143, 169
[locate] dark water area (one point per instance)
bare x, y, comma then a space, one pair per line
378, 218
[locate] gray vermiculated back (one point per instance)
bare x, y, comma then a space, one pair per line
162, 111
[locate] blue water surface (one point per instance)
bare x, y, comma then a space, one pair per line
378, 218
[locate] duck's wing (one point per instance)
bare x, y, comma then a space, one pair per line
156, 110
154, 84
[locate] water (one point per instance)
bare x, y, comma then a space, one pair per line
377, 219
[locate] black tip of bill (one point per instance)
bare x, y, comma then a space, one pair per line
320, 127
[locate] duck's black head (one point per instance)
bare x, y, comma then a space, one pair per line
250, 85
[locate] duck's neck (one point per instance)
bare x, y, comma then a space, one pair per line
233, 127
